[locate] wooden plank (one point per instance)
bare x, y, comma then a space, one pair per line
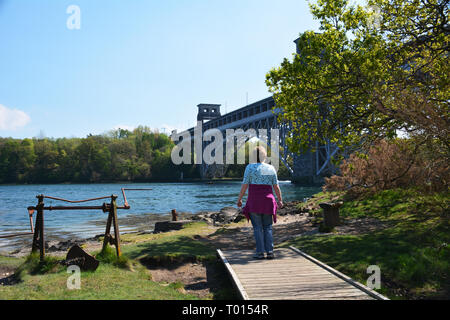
289, 276
365, 289
287, 280
311, 298
268, 269
309, 293
274, 267
300, 289
271, 273
298, 285
315, 279
306, 294
233, 275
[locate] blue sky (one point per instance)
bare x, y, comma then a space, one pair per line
136, 62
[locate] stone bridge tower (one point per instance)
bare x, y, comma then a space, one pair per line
208, 111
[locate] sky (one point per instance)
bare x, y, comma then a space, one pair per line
136, 62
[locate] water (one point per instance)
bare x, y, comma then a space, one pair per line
184, 197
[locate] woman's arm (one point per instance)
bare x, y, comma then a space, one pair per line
276, 187
241, 194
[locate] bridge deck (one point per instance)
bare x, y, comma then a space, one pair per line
291, 275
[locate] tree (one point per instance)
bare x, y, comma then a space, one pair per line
355, 82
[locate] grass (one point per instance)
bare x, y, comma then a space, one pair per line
171, 246
107, 282
123, 278
11, 263
413, 252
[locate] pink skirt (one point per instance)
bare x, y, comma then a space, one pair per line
260, 200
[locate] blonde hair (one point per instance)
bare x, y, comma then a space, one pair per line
260, 154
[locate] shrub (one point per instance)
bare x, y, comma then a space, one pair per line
398, 163
108, 255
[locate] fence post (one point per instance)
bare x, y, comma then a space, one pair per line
38, 237
116, 224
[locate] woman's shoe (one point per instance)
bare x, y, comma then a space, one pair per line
258, 256
270, 255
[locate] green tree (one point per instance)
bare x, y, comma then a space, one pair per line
9, 161
120, 155
364, 78
46, 166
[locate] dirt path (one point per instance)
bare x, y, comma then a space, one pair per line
207, 279
204, 279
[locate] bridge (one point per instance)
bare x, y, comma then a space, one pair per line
308, 168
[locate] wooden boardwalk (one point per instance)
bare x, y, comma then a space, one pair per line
292, 275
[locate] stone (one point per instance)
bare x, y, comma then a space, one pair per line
227, 215
164, 226
209, 221
78, 256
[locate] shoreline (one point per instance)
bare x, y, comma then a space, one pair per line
144, 224
370, 231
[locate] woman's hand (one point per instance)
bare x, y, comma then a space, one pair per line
280, 204
241, 194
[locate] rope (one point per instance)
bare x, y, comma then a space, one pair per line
76, 201
16, 235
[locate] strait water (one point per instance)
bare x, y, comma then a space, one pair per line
145, 205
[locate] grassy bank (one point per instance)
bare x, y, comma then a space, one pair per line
408, 239
412, 249
126, 278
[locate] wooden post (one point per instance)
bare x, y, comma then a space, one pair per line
38, 237
331, 213
112, 219
174, 215
107, 231
37, 229
116, 225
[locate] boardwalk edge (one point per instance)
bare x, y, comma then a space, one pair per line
349, 280
233, 275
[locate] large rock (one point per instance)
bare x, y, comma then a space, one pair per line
226, 215
164, 226
54, 246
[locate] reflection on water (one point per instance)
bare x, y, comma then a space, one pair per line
184, 197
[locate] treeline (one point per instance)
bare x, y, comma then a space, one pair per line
120, 155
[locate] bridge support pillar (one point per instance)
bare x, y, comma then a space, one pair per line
304, 168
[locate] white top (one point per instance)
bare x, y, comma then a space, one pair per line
260, 173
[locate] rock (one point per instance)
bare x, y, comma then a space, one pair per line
202, 216
209, 221
229, 211
53, 246
164, 226
226, 215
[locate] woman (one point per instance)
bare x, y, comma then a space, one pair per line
261, 206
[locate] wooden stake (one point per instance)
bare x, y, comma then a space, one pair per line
116, 225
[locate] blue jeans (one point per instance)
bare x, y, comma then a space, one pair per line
262, 229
